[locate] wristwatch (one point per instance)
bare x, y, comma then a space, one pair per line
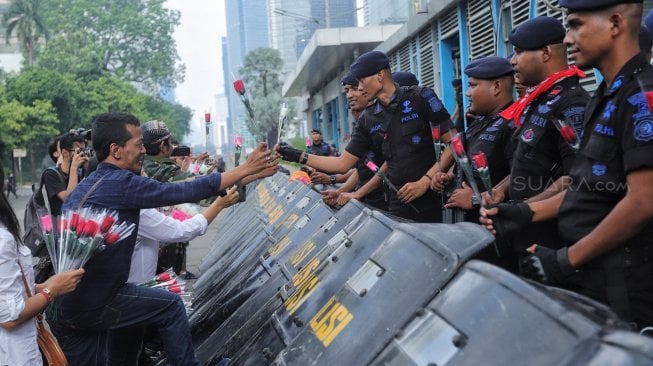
332, 178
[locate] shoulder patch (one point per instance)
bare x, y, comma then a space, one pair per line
555, 91
643, 130
616, 84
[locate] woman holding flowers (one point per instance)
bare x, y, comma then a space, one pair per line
17, 309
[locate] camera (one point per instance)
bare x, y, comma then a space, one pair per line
88, 152
180, 151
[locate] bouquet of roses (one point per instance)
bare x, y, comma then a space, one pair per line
80, 235
168, 281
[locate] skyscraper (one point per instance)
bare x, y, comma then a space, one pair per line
293, 22
247, 29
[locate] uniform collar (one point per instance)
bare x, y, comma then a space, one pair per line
631, 68
397, 95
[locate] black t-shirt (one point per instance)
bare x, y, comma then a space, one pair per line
542, 155
401, 133
55, 182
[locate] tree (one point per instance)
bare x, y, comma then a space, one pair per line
261, 71
132, 40
24, 18
63, 91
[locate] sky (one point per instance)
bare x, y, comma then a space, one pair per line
198, 35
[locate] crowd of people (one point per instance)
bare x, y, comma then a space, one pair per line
564, 181
562, 178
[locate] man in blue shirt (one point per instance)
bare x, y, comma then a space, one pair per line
103, 300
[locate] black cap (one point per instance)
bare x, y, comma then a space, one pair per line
369, 63
584, 5
404, 78
456, 82
536, 33
489, 68
349, 79
154, 132
645, 40
317, 130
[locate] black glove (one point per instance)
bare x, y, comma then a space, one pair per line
547, 265
511, 218
289, 153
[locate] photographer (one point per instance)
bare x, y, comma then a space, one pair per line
60, 181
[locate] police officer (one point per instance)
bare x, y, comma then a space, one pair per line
363, 184
606, 215
489, 90
319, 146
542, 157
397, 125
405, 78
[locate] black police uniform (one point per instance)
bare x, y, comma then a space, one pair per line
376, 198
401, 131
542, 155
322, 149
491, 135
617, 140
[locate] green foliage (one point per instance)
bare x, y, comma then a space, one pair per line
261, 72
176, 116
62, 90
97, 52
132, 40
23, 17
22, 124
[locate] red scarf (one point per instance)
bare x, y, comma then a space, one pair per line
515, 111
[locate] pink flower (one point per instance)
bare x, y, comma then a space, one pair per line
309, 142
239, 140
435, 133
179, 215
370, 164
46, 223
480, 161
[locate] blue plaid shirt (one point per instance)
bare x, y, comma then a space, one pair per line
126, 193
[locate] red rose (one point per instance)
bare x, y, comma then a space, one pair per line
80, 226
74, 220
165, 276
479, 160
239, 85
435, 133
91, 228
111, 238
107, 223
174, 289
457, 146
568, 133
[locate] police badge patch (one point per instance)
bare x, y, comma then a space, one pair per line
599, 169
416, 140
643, 130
